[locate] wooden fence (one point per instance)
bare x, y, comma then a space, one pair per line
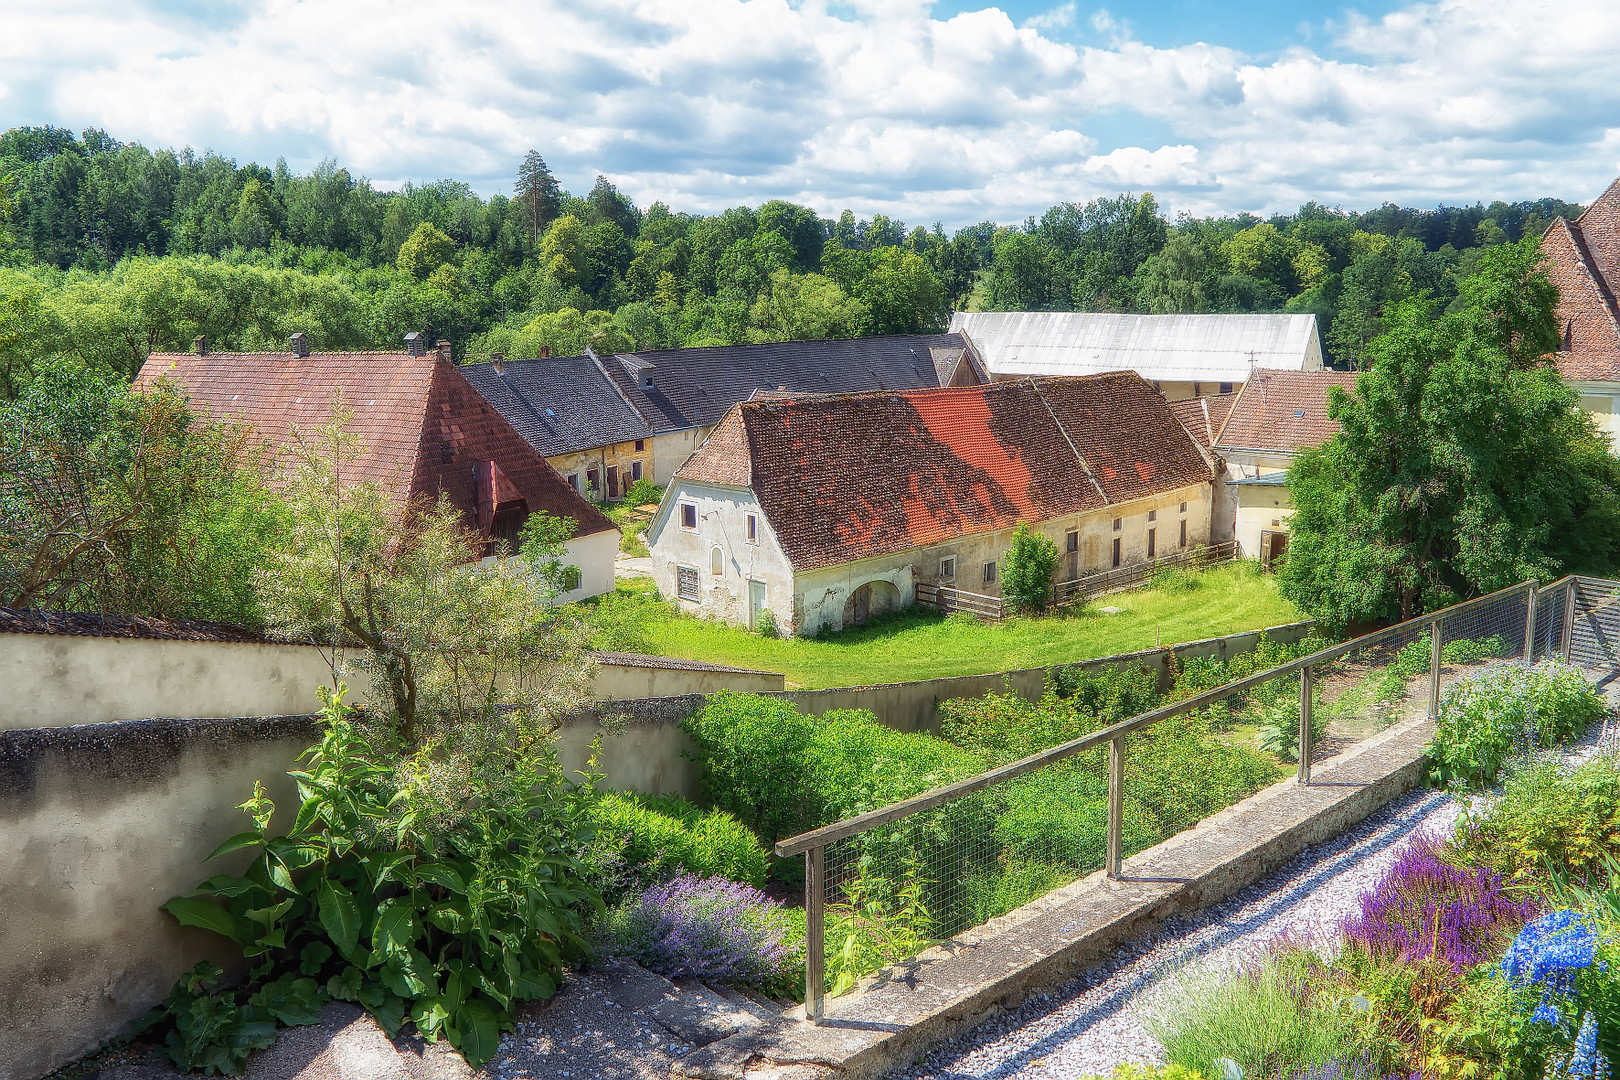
946, 600
1076, 591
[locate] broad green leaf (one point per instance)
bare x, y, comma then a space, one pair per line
195, 912
451, 917
430, 1016
479, 1029
268, 915
279, 874
396, 926
340, 915
293, 1001
443, 876
533, 984
237, 843
313, 956
226, 885
346, 987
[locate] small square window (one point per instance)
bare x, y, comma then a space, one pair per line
686, 582
989, 573
947, 567
1183, 508
1276, 522
753, 529
1071, 543
1226, 388
635, 472
688, 515
573, 481
1153, 515
1118, 524
570, 578
641, 444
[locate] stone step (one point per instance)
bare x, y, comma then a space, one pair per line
754, 1002
701, 1016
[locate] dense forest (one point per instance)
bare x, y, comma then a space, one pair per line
109, 250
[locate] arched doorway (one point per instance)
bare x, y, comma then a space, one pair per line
871, 599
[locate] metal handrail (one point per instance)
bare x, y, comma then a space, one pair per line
813, 844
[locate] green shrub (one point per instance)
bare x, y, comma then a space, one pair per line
643, 493
447, 924
1279, 727
1485, 716
1176, 579
994, 892
1270, 1021
1547, 817
857, 764
1002, 727
765, 624
1027, 568
753, 759
642, 840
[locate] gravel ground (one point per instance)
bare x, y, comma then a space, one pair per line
1096, 1022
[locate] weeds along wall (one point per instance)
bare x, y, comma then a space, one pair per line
99, 824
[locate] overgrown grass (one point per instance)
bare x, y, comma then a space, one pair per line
911, 645
623, 514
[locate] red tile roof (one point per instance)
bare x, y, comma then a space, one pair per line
1203, 417
1583, 260
1282, 412
860, 475
423, 429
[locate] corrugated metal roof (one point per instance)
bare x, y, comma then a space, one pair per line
1165, 348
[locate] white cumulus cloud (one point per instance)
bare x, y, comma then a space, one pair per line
879, 106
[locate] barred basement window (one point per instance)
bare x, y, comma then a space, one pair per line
686, 582
947, 566
1072, 542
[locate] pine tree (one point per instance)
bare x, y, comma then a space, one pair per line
538, 192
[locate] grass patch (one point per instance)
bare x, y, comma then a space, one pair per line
630, 522
911, 645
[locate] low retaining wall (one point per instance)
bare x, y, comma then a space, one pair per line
100, 824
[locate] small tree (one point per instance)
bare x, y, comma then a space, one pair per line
1026, 570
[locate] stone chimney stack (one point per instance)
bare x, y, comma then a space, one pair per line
415, 343
200, 344
300, 344
545, 352
498, 361
444, 350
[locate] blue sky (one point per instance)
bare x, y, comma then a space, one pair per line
953, 111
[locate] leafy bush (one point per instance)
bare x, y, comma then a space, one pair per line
1002, 727
753, 758
1113, 693
1548, 817
1485, 715
376, 895
1027, 568
643, 493
993, 893
705, 928
641, 841
857, 764
765, 624
1279, 727
1176, 579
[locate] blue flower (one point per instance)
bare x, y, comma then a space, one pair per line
1584, 1062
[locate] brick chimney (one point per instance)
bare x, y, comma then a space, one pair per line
199, 344
299, 343
444, 350
545, 352
498, 361
415, 343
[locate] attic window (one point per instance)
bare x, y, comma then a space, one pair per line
641, 444
1119, 523
688, 515
1226, 388
753, 529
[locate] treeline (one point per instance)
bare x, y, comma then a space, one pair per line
112, 250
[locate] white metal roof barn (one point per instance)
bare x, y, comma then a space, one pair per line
1164, 348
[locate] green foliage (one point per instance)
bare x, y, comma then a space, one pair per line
424, 251
1483, 718
1005, 727
1548, 818
210, 1032
1027, 568
1462, 464
641, 840
120, 502
857, 764
753, 758
446, 914
1270, 1021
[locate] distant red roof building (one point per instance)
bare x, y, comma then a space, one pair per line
1583, 260
1203, 417
423, 429
1281, 412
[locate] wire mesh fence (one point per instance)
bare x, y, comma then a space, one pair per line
929, 868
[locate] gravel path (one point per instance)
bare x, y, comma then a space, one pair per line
1095, 1023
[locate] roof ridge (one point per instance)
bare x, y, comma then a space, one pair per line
1078, 456
1593, 270
617, 389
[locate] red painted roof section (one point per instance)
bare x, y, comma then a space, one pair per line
1583, 260
856, 476
421, 425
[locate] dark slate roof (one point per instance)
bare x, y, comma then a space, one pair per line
574, 403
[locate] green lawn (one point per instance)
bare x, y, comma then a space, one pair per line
912, 645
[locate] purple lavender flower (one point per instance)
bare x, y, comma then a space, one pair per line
712, 929
1360, 1067
1425, 908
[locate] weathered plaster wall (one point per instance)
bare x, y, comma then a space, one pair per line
99, 824
622, 682
660, 456
722, 522
57, 679
594, 555
822, 596
1260, 508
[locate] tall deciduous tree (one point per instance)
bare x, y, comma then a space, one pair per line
1463, 463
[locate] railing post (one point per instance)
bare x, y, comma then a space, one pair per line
1305, 744
1116, 805
1434, 668
1530, 624
1569, 620
815, 915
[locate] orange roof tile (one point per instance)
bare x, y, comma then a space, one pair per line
1282, 412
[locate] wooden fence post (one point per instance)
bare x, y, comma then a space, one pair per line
1306, 745
1434, 668
1116, 805
1530, 624
815, 925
